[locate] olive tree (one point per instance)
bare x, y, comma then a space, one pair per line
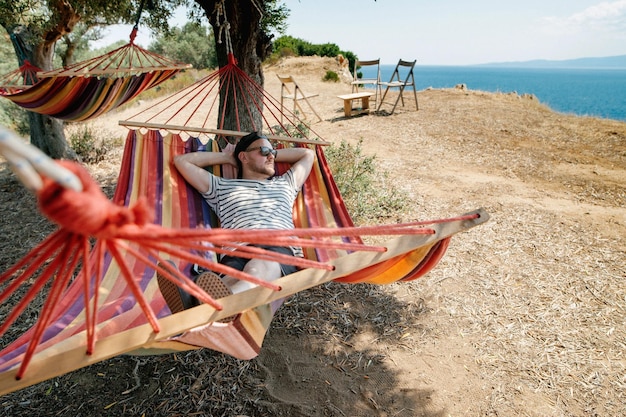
193, 44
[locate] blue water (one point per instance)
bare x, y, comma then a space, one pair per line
583, 92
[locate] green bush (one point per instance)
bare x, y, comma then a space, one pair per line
88, 146
285, 46
295, 131
328, 49
331, 76
369, 194
192, 44
15, 118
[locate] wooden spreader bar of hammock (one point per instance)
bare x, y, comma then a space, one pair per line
69, 355
120, 72
219, 132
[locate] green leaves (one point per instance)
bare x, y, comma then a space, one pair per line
192, 44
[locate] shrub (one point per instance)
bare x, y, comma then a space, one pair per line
331, 76
300, 130
15, 118
327, 49
88, 147
369, 194
285, 46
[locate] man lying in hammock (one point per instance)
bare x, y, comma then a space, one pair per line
257, 199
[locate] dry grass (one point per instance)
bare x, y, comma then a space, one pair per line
524, 316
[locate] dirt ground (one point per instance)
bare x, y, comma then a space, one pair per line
524, 316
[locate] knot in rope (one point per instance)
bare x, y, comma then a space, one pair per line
88, 212
224, 27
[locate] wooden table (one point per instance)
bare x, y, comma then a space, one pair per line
349, 98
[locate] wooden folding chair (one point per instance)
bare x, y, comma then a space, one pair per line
373, 80
287, 85
397, 82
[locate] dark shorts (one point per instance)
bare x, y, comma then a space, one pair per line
239, 263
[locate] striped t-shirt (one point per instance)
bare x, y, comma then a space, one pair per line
254, 204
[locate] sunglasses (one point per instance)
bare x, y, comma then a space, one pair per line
265, 150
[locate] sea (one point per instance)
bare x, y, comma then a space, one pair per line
583, 92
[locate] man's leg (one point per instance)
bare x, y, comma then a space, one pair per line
266, 270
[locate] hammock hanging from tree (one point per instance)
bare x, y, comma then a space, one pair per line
90, 88
122, 267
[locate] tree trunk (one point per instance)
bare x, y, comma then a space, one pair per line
47, 134
68, 57
250, 46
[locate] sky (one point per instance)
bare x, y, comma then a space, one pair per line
455, 32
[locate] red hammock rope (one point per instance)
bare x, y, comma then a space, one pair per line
193, 109
20, 79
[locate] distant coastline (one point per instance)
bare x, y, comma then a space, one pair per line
597, 92
609, 62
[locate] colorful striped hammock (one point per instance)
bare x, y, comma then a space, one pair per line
90, 88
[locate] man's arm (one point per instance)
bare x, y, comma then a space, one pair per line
301, 160
190, 166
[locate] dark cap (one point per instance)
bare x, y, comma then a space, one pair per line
242, 145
